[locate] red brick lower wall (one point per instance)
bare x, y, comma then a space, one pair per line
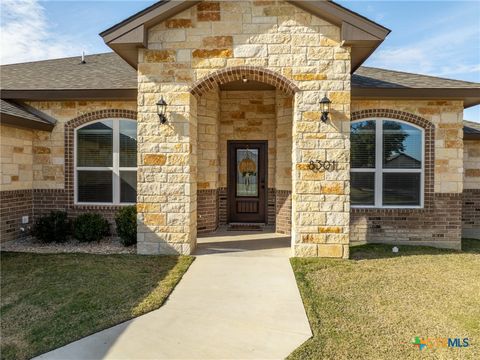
207, 210
471, 213
35, 203
283, 212
13, 205
439, 225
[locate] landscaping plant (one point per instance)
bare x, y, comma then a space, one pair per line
126, 221
90, 227
54, 227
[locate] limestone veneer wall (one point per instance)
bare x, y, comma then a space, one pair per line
16, 167
275, 35
439, 222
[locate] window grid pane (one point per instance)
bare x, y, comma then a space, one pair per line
362, 148
95, 145
128, 186
362, 188
401, 189
402, 146
128, 143
95, 186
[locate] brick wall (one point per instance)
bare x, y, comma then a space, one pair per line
283, 223
471, 213
439, 225
13, 205
207, 210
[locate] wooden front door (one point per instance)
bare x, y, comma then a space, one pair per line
247, 181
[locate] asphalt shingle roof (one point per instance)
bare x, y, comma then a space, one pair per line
100, 71
368, 77
23, 115
471, 130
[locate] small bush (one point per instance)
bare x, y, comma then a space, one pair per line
53, 227
126, 221
90, 227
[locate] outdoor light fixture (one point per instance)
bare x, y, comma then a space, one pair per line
244, 79
325, 107
161, 109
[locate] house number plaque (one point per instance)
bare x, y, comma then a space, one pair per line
319, 165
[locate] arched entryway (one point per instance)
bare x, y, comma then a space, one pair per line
244, 141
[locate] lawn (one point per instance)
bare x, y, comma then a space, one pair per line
373, 305
50, 300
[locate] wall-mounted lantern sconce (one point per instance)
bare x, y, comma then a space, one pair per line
161, 110
325, 108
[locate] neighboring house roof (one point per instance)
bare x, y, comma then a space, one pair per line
361, 34
471, 130
104, 76
107, 76
22, 115
375, 83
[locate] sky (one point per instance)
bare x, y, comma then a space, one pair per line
439, 38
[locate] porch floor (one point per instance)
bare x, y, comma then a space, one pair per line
244, 243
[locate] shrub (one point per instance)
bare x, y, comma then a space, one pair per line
126, 221
90, 227
53, 227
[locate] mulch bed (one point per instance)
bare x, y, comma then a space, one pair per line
109, 245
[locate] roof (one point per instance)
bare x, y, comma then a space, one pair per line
360, 33
471, 130
368, 77
375, 83
22, 115
104, 75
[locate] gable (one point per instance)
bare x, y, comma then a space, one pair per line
357, 32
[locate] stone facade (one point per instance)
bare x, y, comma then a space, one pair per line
439, 222
277, 43
17, 158
471, 192
37, 166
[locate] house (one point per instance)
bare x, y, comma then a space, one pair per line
209, 113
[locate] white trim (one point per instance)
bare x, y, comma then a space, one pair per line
379, 170
115, 168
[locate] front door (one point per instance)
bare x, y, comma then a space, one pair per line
247, 181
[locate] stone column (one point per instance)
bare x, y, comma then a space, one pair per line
320, 199
167, 173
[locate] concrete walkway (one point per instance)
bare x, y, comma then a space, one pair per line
238, 300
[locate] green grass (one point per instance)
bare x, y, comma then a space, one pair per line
371, 306
50, 300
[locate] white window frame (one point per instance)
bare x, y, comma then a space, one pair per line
379, 170
115, 169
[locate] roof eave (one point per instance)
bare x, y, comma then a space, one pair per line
70, 94
13, 120
471, 136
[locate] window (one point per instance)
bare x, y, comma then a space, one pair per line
387, 166
106, 162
